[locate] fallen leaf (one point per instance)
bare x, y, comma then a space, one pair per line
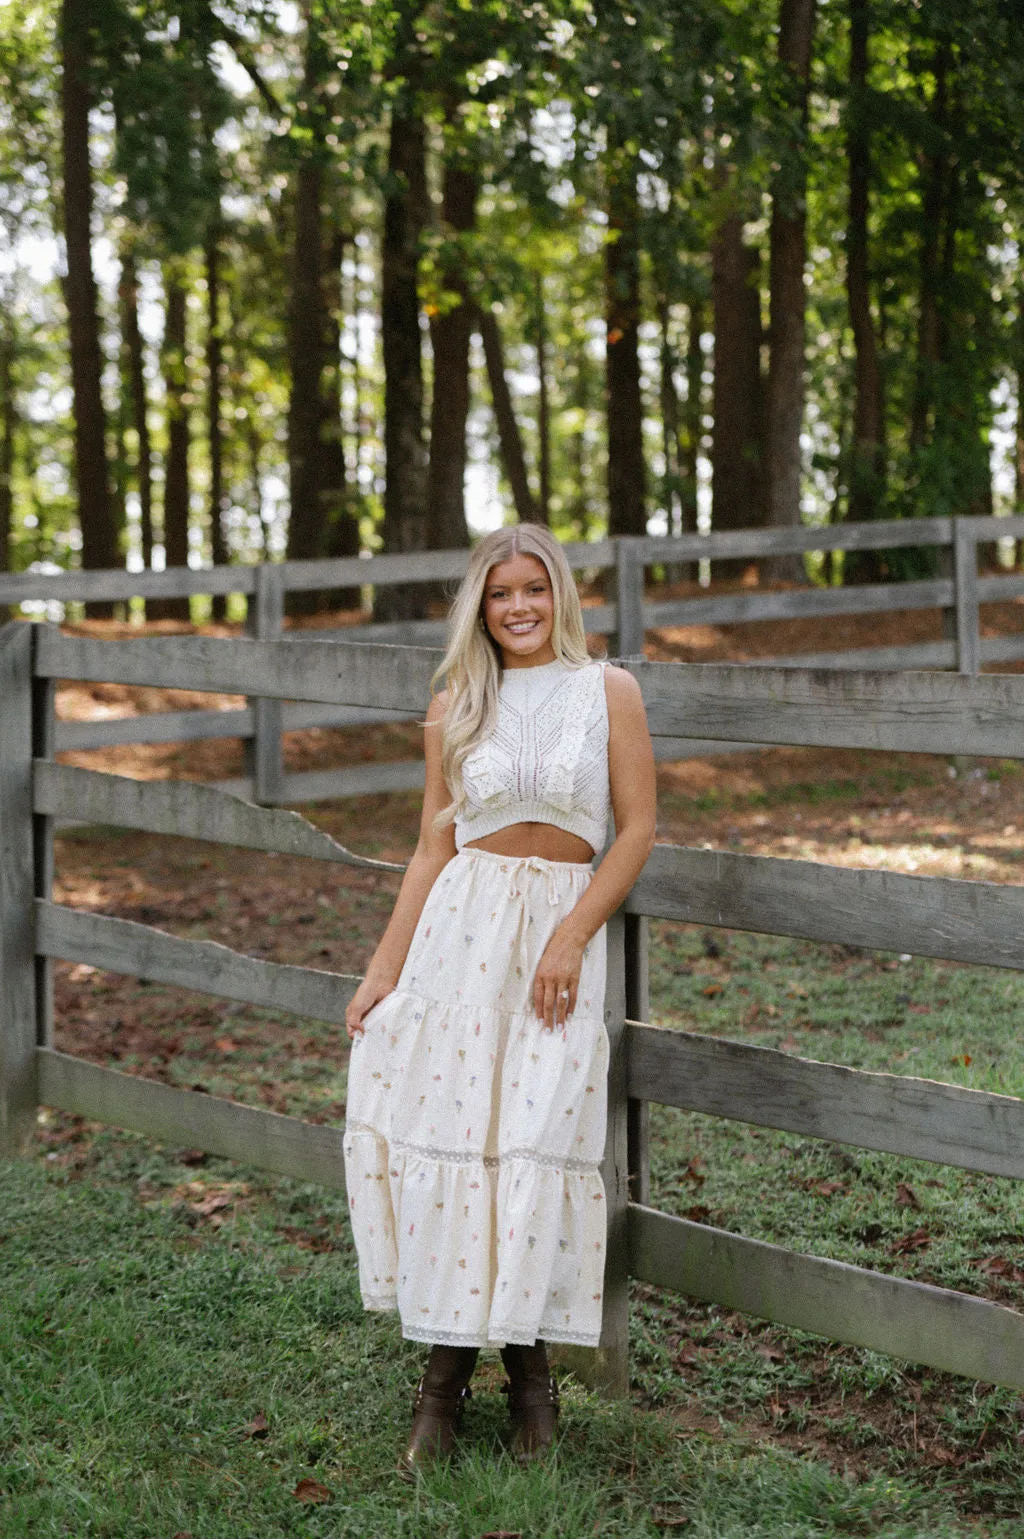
826, 1188
692, 1171
312, 1492
193, 1157
698, 1214
769, 1353
919, 1240
712, 989
906, 1197
304, 1240
1000, 1266
687, 1355
214, 1203
258, 1427
226, 1045
962, 1059
920, 1009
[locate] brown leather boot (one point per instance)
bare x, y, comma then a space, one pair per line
437, 1408
532, 1400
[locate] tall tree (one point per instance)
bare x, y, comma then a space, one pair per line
177, 397
737, 460
787, 260
134, 370
307, 320
405, 217
451, 329
95, 509
867, 451
627, 512
214, 405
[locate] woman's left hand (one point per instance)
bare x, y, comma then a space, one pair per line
557, 980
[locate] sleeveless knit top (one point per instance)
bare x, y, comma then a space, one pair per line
546, 760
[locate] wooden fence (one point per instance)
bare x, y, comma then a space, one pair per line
972, 922
625, 617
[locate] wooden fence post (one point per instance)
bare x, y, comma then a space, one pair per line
264, 750
965, 586
611, 1369
629, 597
638, 1113
17, 930
44, 732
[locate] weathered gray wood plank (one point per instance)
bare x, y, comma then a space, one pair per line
18, 1023
801, 603
264, 751
156, 727
610, 1369
183, 808
981, 922
965, 582
117, 584
122, 946
993, 589
304, 1150
422, 566
769, 542
357, 780
913, 712
44, 720
396, 677
921, 1118
948, 1331
632, 615
922, 654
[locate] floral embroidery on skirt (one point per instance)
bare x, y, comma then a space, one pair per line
473, 1136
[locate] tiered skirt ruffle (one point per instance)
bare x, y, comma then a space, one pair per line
473, 1136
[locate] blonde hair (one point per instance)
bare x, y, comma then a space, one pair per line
471, 668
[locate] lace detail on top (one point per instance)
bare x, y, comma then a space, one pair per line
546, 760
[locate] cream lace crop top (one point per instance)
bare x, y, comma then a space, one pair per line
546, 760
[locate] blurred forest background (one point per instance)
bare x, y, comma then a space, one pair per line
304, 279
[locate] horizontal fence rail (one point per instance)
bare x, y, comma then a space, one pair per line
915, 1118
959, 593
929, 1325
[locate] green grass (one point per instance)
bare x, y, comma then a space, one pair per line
153, 1304
138, 1347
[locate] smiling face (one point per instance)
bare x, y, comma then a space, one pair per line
519, 611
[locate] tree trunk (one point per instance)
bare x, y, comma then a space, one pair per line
8, 425
626, 469
509, 436
176, 488
737, 471
405, 492
787, 244
693, 414
306, 333
543, 407
214, 412
341, 526
450, 337
867, 452
135, 370
95, 512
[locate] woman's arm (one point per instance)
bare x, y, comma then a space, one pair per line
433, 852
633, 794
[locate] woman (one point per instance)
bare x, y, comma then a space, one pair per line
476, 1102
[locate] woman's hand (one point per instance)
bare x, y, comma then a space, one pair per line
557, 980
369, 993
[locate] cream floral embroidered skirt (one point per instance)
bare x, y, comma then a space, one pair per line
473, 1136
